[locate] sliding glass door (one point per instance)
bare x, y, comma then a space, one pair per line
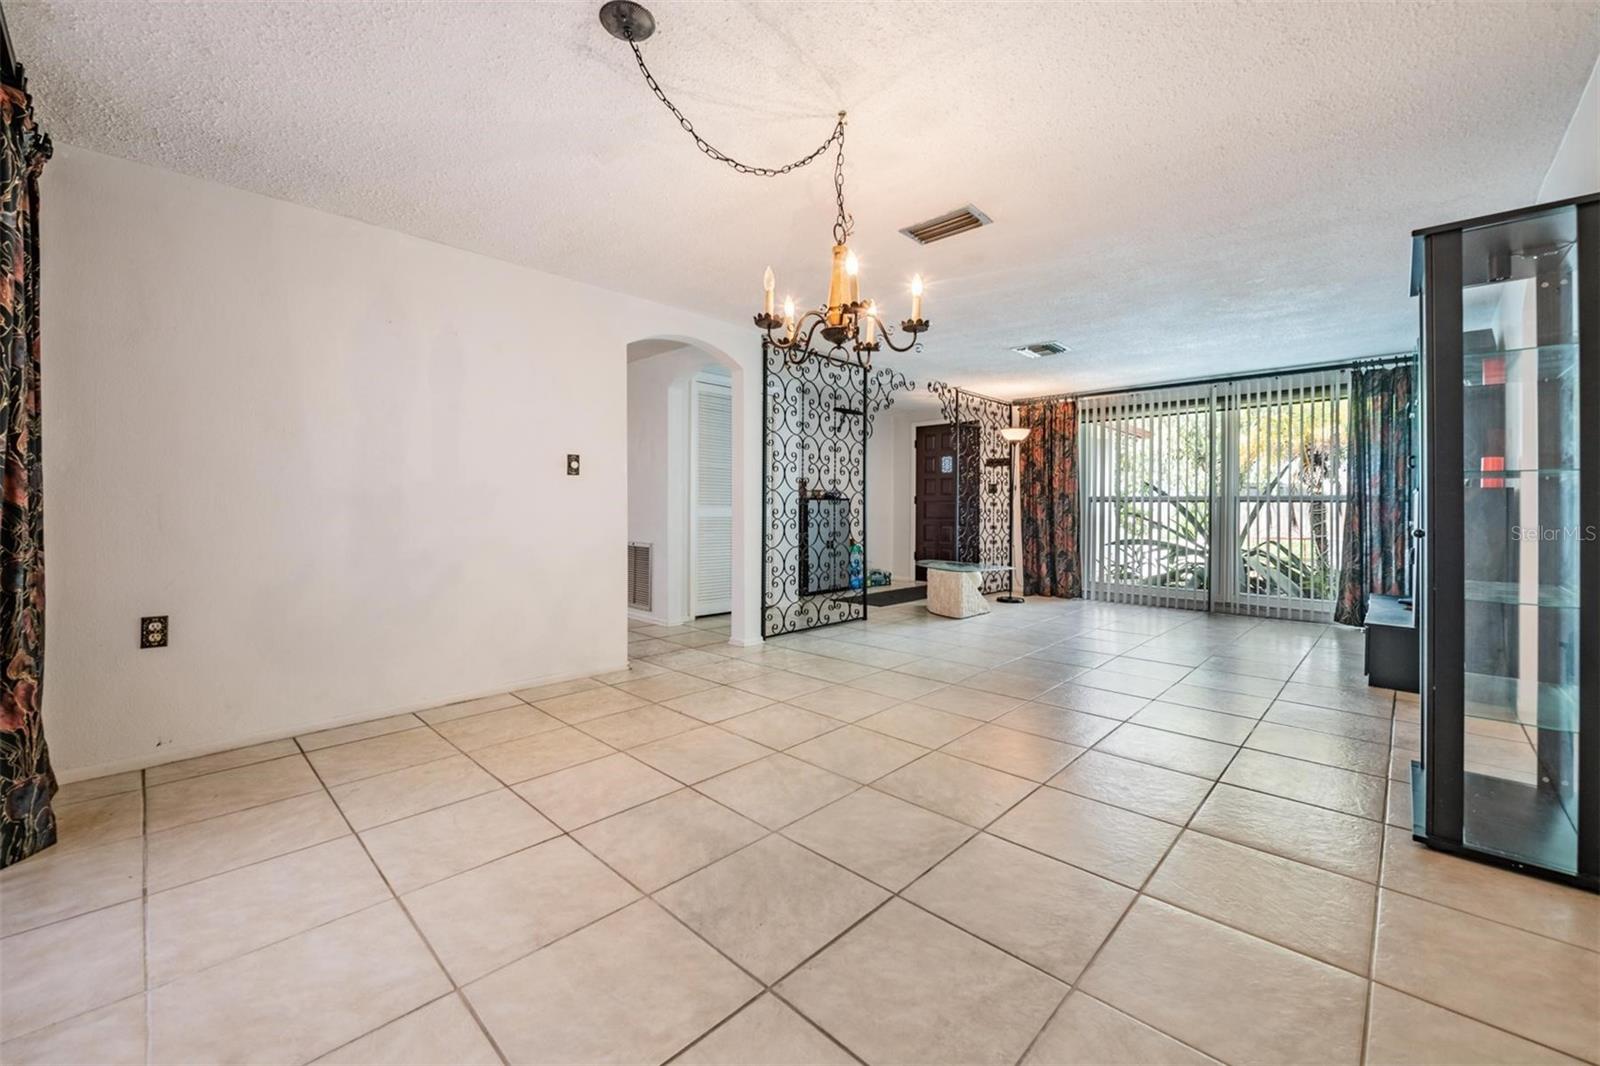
1284, 489
1227, 496
1147, 488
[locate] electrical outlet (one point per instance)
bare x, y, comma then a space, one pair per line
572, 465
153, 631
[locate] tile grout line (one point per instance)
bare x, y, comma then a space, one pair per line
767, 988
1377, 900
1376, 885
767, 833
1486, 1024
1139, 894
1282, 682
240, 810
898, 893
1390, 784
144, 917
410, 918
452, 994
1121, 917
703, 1037
642, 895
295, 740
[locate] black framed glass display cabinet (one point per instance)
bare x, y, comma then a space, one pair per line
1510, 540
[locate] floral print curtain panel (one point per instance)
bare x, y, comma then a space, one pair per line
1048, 498
27, 785
1377, 534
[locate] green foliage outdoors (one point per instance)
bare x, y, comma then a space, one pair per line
1162, 538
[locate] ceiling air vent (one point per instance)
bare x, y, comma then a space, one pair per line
948, 225
1041, 349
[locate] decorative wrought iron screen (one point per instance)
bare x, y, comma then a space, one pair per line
817, 418
983, 480
815, 491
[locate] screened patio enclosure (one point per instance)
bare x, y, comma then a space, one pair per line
1223, 495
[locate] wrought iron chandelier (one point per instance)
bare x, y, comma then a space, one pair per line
851, 326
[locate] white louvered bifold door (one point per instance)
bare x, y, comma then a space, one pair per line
711, 499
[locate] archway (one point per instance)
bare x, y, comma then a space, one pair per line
664, 373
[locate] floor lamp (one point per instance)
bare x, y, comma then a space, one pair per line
1014, 436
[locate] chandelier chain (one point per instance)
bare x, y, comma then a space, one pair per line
853, 328
844, 223
710, 150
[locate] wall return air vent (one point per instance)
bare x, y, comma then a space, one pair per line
1040, 349
947, 225
640, 585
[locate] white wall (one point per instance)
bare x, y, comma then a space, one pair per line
658, 441
658, 471
334, 454
883, 504
892, 488
1576, 167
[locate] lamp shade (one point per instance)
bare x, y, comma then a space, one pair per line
1015, 434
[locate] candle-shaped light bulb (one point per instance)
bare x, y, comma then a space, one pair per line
788, 316
916, 297
768, 282
838, 286
869, 330
852, 272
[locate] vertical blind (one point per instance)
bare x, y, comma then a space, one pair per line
1283, 478
1147, 486
1227, 496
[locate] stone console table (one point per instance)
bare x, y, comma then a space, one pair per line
955, 590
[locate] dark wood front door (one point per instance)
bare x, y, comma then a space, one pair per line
936, 494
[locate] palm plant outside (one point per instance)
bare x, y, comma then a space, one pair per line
1287, 499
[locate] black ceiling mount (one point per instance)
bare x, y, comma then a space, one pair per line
850, 325
626, 20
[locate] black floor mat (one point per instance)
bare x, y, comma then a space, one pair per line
890, 597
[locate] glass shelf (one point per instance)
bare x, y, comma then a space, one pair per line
1504, 633
1508, 819
1509, 593
1492, 698
1556, 361
1520, 822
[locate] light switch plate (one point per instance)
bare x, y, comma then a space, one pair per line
572, 465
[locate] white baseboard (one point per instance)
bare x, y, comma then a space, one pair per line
194, 751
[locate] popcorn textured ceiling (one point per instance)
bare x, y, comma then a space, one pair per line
1176, 190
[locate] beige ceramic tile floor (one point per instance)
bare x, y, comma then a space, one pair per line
1062, 832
